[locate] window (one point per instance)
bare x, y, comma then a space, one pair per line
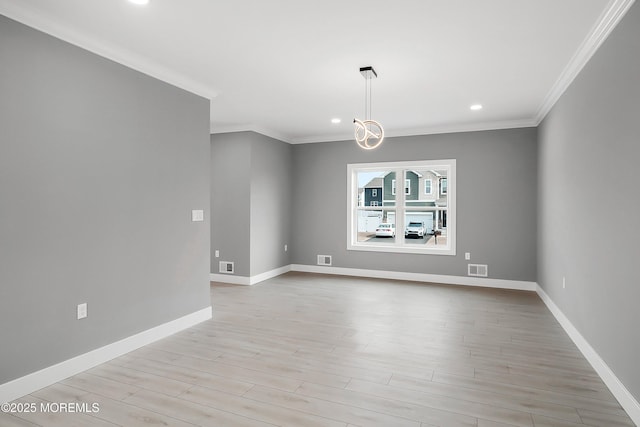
407, 186
423, 224
374, 192
443, 185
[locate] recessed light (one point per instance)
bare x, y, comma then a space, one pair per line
476, 107
139, 2
336, 120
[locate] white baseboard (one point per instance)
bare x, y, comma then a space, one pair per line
419, 277
249, 281
229, 278
395, 275
47, 376
626, 399
269, 274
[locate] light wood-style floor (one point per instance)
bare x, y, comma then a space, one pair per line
309, 350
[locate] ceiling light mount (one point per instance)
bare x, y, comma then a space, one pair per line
368, 73
368, 132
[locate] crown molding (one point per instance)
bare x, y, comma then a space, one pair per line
119, 54
598, 34
608, 20
214, 130
430, 130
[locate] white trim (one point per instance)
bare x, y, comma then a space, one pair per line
419, 277
598, 34
394, 275
234, 280
269, 274
47, 376
626, 399
400, 207
217, 129
430, 192
407, 249
122, 56
427, 130
249, 281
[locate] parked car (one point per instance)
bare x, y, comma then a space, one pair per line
386, 230
415, 229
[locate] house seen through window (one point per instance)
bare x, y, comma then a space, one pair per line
385, 220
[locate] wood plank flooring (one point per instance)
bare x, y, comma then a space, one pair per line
312, 350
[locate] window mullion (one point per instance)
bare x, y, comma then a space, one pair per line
400, 203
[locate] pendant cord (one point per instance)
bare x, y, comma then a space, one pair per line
370, 99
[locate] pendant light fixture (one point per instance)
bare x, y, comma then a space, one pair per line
368, 133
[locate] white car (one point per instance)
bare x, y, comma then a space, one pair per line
415, 229
386, 230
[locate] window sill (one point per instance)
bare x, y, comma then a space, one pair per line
401, 249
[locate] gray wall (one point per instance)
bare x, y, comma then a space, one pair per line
100, 167
590, 223
496, 202
231, 200
271, 208
251, 193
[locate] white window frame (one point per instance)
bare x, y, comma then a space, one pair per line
374, 192
430, 181
373, 203
399, 245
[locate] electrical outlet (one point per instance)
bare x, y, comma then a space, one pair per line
82, 310
285, 248
217, 253
467, 256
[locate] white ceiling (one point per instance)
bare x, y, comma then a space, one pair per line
285, 68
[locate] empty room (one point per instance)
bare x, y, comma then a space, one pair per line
279, 213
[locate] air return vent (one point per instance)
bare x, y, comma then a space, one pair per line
226, 267
479, 270
324, 259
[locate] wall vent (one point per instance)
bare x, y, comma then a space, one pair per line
226, 267
324, 259
478, 270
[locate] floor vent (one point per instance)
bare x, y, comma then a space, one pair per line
226, 267
478, 270
324, 259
